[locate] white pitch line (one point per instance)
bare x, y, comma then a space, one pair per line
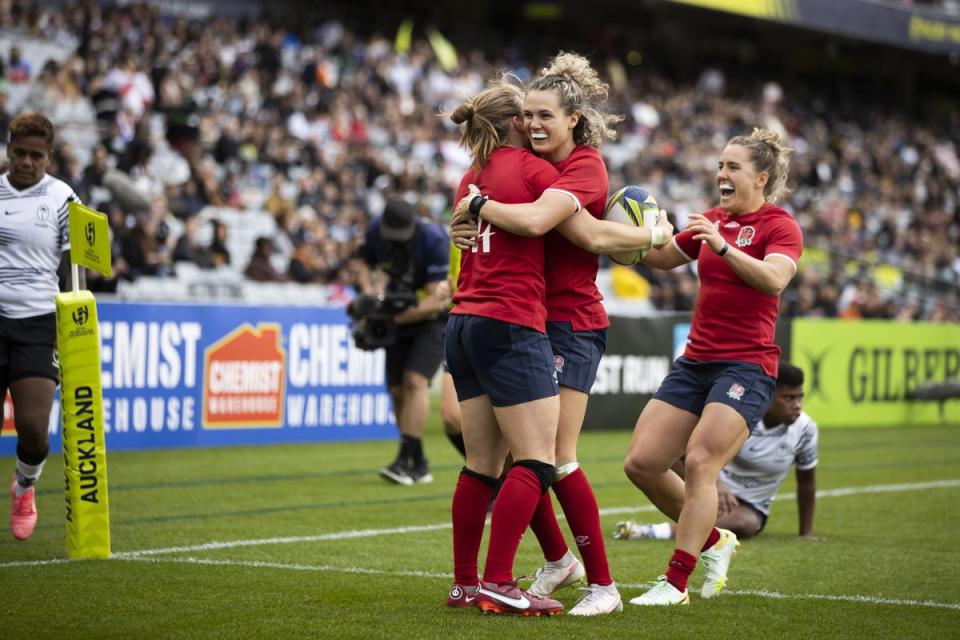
774, 595
762, 593
336, 535
366, 533
259, 564
34, 563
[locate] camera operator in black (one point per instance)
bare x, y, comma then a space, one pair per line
414, 253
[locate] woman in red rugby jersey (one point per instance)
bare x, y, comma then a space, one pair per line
564, 120
497, 351
747, 250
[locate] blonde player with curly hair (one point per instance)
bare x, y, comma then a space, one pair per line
747, 250
564, 118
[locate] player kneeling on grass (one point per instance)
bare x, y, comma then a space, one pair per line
786, 437
34, 242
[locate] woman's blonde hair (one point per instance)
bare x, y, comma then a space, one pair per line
769, 153
488, 117
580, 90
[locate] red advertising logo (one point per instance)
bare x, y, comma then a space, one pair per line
7, 429
243, 379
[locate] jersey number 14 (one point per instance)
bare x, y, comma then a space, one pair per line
483, 237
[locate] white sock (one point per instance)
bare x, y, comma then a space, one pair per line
660, 531
562, 562
27, 475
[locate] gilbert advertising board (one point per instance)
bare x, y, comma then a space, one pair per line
858, 372
198, 375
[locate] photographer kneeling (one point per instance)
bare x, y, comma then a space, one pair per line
407, 319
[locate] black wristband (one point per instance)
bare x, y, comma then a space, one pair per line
477, 203
724, 249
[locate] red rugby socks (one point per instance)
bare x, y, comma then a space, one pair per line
681, 566
544, 525
512, 512
470, 500
583, 515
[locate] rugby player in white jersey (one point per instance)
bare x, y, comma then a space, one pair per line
34, 239
786, 437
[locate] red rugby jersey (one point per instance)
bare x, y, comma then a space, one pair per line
572, 294
502, 277
732, 320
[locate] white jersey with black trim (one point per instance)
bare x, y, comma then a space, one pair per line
34, 232
757, 471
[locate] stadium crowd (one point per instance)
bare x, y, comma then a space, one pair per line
165, 120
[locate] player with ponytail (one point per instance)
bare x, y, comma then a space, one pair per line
747, 250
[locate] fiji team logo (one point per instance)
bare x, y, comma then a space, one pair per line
736, 391
80, 316
558, 363
90, 233
43, 215
244, 379
746, 236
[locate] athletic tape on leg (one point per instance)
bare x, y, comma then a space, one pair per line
84, 451
566, 469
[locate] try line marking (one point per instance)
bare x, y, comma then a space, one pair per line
368, 533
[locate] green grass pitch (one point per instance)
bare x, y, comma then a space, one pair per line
306, 541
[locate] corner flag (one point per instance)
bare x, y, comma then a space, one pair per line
90, 239
81, 396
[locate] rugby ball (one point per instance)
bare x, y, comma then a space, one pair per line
636, 206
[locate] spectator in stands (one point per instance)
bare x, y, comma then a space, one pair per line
277, 204
260, 268
144, 253
786, 437
18, 69
185, 200
304, 264
187, 249
356, 117
219, 253
91, 188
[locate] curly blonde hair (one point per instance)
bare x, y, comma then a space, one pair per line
580, 90
487, 117
769, 153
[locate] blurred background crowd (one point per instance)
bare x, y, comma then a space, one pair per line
260, 149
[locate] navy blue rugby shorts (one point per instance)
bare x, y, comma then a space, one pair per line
576, 354
693, 384
510, 363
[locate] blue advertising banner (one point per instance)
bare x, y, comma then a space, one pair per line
197, 375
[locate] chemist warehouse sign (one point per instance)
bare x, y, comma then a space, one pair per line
184, 375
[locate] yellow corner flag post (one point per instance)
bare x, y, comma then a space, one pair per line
78, 347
